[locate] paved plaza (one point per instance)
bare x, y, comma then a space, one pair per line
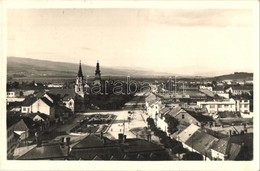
121, 124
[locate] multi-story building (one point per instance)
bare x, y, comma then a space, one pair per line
225, 105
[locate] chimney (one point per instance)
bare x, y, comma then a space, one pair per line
67, 141
62, 143
124, 138
39, 142
101, 135
68, 145
120, 137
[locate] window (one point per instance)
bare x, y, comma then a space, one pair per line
24, 109
226, 105
182, 116
246, 106
212, 106
219, 106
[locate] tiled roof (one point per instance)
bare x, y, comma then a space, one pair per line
48, 102
207, 92
231, 150
201, 141
199, 116
165, 110
11, 120
247, 88
175, 111
186, 133
45, 152
43, 116
63, 92
93, 141
220, 146
131, 149
104, 153
135, 145
28, 101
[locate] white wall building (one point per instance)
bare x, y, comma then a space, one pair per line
225, 105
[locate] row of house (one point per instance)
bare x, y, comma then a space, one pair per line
211, 148
20, 127
36, 113
98, 147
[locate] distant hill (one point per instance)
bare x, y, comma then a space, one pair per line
27, 67
236, 76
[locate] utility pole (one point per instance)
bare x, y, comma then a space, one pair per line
175, 85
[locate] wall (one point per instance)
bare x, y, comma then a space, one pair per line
187, 118
26, 109
217, 155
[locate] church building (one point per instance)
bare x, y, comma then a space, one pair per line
97, 80
79, 86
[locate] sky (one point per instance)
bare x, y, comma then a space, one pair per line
164, 40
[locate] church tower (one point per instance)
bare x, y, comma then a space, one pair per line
97, 79
79, 86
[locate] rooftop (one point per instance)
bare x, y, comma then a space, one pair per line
47, 152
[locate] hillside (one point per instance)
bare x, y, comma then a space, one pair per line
235, 76
27, 67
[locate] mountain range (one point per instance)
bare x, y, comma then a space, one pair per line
28, 67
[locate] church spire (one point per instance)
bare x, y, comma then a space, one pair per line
80, 70
97, 74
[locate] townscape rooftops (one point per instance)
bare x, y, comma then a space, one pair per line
207, 92
136, 100
135, 145
62, 92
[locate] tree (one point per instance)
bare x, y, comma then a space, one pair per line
172, 123
150, 123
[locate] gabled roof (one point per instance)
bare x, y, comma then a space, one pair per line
198, 115
219, 88
165, 110
28, 101
201, 141
174, 111
12, 119
46, 101
207, 92
231, 150
135, 145
187, 133
93, 141
45, 152
44, 116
